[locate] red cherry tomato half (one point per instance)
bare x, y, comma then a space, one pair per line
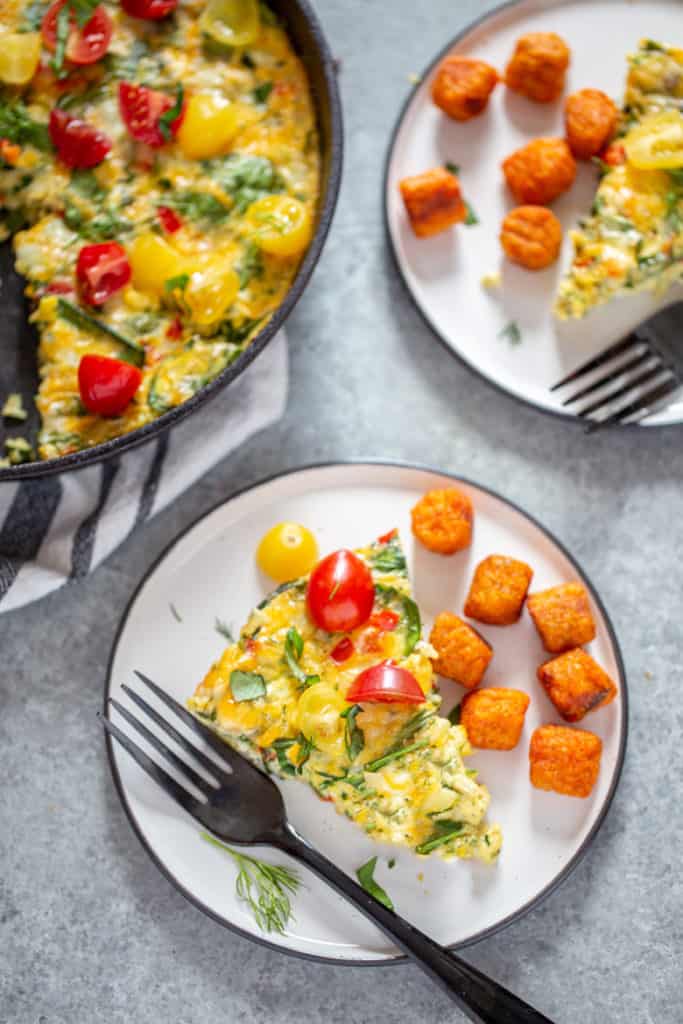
169, 219
340, 592
78, 144
86, 44
152, 10
141, 109
107, 385
343, 650
385, 621
384, 684
101, 271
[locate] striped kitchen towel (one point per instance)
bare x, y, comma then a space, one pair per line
61, 527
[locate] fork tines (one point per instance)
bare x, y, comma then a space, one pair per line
631, 364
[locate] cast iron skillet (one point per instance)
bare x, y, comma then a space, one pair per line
18, 341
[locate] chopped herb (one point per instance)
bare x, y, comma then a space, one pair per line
445, 830
17, 125
79, 318
143, 323
290, 585
410, 616
602, 166
86, 184
354, 739
224, 630
244, 177
33, 16
470, 217
284, 745
365, 874
598, 205
179, 282
511, 332
391, 863
246, 685
394, 755
127, 66
408, 730
176, 614
266, 888
333, 593
197, 206
169, 116
650, 44
294, 646
13, 409
389, 558
452, 168
262, 92
251, 265
62, 36
238, 333
676, 175
454, 715
104, 226
247, 61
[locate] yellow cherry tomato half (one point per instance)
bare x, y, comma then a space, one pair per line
318, 715
279, 225
210, 292
19, 56
286, 552
209, 125
231, 22
657, 143
153, 262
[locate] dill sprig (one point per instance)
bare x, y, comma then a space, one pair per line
264, 887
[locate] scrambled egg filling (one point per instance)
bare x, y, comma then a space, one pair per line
633, 238
396, 770
241, 176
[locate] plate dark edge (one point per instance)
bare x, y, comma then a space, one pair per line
566, 417
485, 933
118, 445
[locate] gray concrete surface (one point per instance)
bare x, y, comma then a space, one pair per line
90, 932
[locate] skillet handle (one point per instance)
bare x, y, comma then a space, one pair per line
480, 998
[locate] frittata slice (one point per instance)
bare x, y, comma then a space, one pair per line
633, 238
397, 770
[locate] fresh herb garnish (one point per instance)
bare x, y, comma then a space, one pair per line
33, 16
470, 217
17, 125
247, 61
410, 616
251, 264
79, 318
245, 178
179, 282
266, 888
197, 206
394, 755
452, 168
444, 831
391, 863
86, 184
13, 409
511, 332
262, 92
294, 647
174, 611
63, 28
246, 685
354, 739
408, 730
284, 745
169, 116
389, 557
365, 874
103, 226
224, 630
454, 715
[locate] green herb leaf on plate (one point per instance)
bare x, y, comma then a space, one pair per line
511, 333
470, 217
224, 630
175, 613
452, 168
365, 875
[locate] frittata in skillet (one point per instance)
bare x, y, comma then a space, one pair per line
633, 238
352, 712
162, 156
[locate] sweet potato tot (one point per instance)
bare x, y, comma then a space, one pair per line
498, 590
540, 171
462, 86
494, 717
531, 236
590, 119
433, 201
463, 655
576, 684
562, 615
442, 520
563, 760
538, 66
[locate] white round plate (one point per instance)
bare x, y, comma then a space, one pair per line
209, 572
444, 273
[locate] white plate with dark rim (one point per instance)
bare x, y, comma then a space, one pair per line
209, 572
444, 273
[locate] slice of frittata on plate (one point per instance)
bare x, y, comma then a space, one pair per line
279, 696
633, 238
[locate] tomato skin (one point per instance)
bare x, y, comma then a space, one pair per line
385, 683
101, 271
343, 650
385, 621
150, 10
287, 551
340, 592
85, 45
107, 385
386, 537
614, 155
169, 219
59, 288
141, 109
78, 144
175, 329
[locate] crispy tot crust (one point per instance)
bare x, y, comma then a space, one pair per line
462, 86
531, 236
540, 171
576, 684
562, 615
494, 717
463, 655
442, 520
590, 118
497, 591
563, 760
433, 201
538, 66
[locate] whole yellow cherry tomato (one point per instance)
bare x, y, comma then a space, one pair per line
19, 56
231, 22
279, 225
209, 125
153, 261
210, 292
286, 552
657, 142
318, 716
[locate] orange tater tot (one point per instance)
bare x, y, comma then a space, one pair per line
463, 655
531, 236
462, 86
494, 717
442, 520
590, 119
540, 171
538, 66
433, 201
564, 760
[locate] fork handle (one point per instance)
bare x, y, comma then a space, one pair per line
480, 998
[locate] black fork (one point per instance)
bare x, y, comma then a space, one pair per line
243, 806
640, 371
